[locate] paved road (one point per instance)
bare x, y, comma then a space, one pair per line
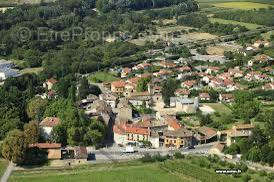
115, 154
8, 172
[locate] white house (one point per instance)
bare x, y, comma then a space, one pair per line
47, 125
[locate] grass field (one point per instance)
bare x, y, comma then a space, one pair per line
218, 107
241, 5
3, 166
250, 26
173, 171
102, 77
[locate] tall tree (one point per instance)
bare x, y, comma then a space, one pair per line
31, 132
14, 147
168, 90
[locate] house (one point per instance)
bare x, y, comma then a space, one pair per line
189, 84
118, 86
109, 98
182, 92
141, 66
125, 72
49, 83
184, 69
172, 123
162, 73
216, 149
178, 138
261, 43
123, 110
226, 98
204, 96
125, 132
263, 58
181, 104
205, 135
138, 99
212, 69
236, 72
239, 131
53, 149
166, 64
47, 125
268, 86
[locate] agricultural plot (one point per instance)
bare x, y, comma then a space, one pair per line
175, 171
242, 5
250, 26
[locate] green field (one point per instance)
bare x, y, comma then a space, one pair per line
242, 5
102, 77
173, 171
250, 26
218, 107
3, 166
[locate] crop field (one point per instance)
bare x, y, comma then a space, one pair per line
242, 5
250, 26
175, 171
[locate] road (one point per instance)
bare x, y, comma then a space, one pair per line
8, 172
115, 154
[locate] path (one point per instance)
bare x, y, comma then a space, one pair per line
8, 172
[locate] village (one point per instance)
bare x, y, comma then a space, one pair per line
136, 114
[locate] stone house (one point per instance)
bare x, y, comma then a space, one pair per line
47, 125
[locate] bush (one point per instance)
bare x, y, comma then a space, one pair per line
246, 178
242, 166
179, 155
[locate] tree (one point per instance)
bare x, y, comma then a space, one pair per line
168, 90
59, 134
35, 107
14, 146
142, 84
245, 106
83, 89
75, 135
31, 132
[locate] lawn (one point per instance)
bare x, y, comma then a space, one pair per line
3, 166
250, 26
173, 171
99, 77
242, 5
219, 107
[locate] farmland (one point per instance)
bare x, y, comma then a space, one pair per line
247, 25
242, 5
132, 171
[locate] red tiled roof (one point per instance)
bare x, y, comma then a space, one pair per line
50, 122
204, 95
181, 91
172, 122
119, 83
130, 128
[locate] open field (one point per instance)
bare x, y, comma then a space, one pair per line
183, 38
102, 77
175, 171
3, 166
250, 26
242, 5
219, 107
